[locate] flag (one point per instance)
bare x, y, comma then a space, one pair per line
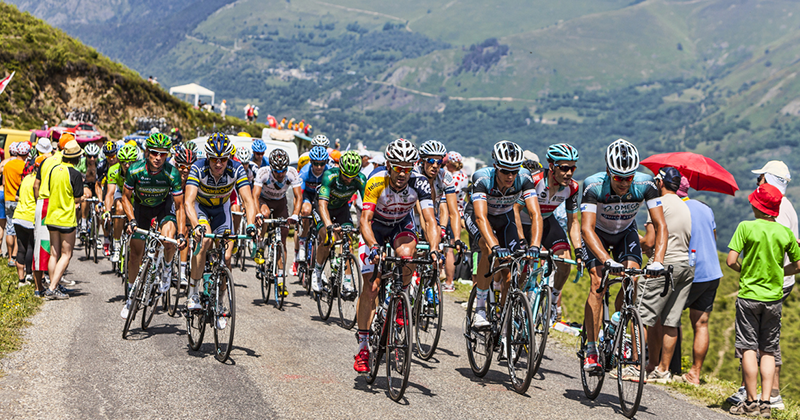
4, 82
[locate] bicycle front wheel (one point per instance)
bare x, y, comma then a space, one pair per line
398, 346
330, 279
95, 237
541, 327
136, 300
348, 293
631, 361
195, 328
266, 274
176, 289
224, 315
479, 341
279, 274
519, 341
428, 317
592, 381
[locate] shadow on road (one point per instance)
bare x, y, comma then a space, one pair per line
603, 400
138, 334
492, 377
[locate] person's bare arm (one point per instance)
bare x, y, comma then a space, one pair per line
733, 261
366, 228
191, 196
791, 268
518, 220
662, 234
649, 239
250, 207
537, 224
590, 238
574, 229
433, 235
482, 220
298, 200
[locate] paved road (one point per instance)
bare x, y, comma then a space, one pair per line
285, 364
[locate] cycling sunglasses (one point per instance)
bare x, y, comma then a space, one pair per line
157, 153
319, 164
619, 178
432, 161
508, 171
279, 171
218, 159
566, 168
183, 166
402, 169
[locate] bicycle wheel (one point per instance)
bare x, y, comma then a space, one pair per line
592, 381
86, 244
348, 299
631, 361
136, 299
479, 342
428, 317
224, 316
95, 236
195, 328
377, 346
519, 341
398, 346
326, 294
150, 298
541, 326
311, 258
176, 289
266, 274
123, 261
240, 254
280, 282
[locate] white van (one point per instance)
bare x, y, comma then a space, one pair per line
238, 141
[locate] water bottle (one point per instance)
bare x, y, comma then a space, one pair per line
388, 295
692, 258
429, 295
207, 283
612, 328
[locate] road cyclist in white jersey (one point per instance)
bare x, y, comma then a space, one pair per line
610, 202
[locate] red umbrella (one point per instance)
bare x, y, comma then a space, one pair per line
703, 173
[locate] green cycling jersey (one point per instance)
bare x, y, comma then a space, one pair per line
153, 189
115, 175
336, 192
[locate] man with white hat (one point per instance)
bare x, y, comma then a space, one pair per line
776, 173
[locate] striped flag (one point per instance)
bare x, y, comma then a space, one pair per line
4, 82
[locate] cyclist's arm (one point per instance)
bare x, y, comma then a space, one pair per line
518, 219
532, 203
433, 235
180, 212
191, 196
366, 227
590, 238
98, 190
660, 225
250, 206
455, 220
574, 229
109, 198
127, 193
298, 200
482, 220
322, 207
423, 224
649, 239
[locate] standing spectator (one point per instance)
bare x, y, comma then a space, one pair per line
707, 273
3, 161
223, 108
667, 310
41, 190
66, 191
366, 164
12, 177
255, 114
23, 221
44, 148
759, 302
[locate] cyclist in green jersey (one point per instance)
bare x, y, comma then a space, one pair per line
114, 182
337, 188
151, 187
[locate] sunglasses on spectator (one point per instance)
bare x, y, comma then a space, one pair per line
432, 161
508, 171
566, 168
157, 153
402, 169
320, 164
279, 171
622, 178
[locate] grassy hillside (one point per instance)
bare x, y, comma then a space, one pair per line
55, 72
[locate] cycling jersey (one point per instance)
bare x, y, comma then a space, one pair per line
443, 184
498, 202
616, 213
153, 189
213, 192
115, 175
271, 189
311, 181
337, 193
102, 170
547, 204
392, 206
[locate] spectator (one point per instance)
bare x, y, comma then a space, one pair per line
12, 177
23, 221
223, 108
707, 273
44, 148
759, 302
41, 190
667, 310
3, 161
66, 191
366, 165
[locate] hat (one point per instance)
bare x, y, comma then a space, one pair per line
671, 177
528, 155
12, 149
766, 198
683, 190
72, 149
23, 148
777, 168
364, 152
64, 139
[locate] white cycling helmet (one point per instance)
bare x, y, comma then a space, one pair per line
244, 154
154, 130
507, 154
401, 151
622, 158
432, 148
320, 140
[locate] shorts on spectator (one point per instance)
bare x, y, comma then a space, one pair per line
758, 326
668, 309
11, 206
702, 295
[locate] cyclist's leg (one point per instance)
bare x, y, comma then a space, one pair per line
305, 210
369, 289
280, 209
84, 215
135, 257
593, 310
628, 251
505, 228
450, 259
555, 240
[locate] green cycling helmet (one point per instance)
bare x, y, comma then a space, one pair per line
158, 141
191, 146
350, 164
128, 153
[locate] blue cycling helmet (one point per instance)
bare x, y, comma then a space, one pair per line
318, 153
218, 146
258, 146
561, 151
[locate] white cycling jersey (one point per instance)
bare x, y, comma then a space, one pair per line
271, 188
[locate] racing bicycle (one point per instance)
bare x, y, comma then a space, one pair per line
341, 279
271, 271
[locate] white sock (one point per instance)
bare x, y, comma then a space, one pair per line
481, 297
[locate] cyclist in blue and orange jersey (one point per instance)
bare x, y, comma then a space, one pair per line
259, 148
611, 200
208, 207
311, 177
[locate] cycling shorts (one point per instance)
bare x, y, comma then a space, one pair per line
553, 236
624, 245
117, 194
277, 208
310, 196
340, 216
386, 234
163, 213
503, 225
90, 186
217, 219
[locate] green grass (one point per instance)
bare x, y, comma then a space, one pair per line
16, 306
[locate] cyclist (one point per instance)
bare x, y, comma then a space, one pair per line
244, 155
91, 182
183, 160
318, 140
443, 193
259, 148
151, 187
490, 220
311, 176
271, 183
389, 198
610, 202
561, 160
115, 181
208, 207
338, 186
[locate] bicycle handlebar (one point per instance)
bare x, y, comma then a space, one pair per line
156, 235
515, 256
668, 283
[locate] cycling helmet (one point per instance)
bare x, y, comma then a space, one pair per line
320, 140
190, 145
622, 158
154, 130
110, 148
244, 154
507, 154
318, 153
335, 155
303, 161
432, 148
185, 156
454, 157
128, 153
233, 150
279, 159
259, 146
218, 146
350, 164
401, 151
561, 151
158, 141
92, 149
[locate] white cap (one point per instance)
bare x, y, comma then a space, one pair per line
43, 145
364, 152
777, 168
527, 154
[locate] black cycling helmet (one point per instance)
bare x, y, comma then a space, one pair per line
278, 159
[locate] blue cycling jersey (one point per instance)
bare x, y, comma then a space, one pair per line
615, 213
501, 202
309, 180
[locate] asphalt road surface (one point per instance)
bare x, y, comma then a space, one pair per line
285, 364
